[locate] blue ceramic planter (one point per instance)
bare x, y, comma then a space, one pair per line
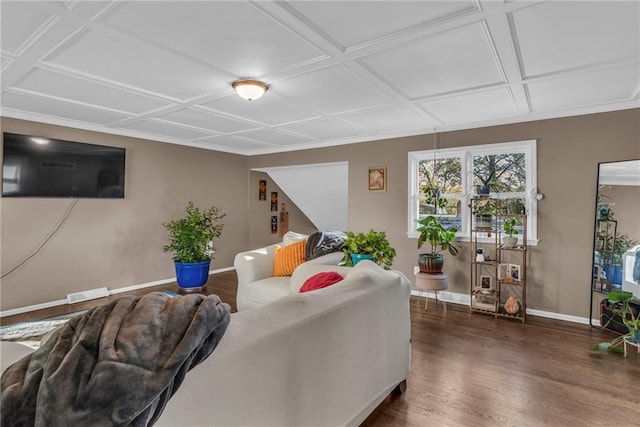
356, 258
192, 275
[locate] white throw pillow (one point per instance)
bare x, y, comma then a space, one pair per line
292, 237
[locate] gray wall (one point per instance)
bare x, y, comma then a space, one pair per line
117, 243
569, 150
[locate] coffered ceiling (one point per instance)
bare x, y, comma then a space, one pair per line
338, 71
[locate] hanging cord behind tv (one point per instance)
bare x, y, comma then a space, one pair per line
59, 225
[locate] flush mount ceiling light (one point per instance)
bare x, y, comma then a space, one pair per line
249, 89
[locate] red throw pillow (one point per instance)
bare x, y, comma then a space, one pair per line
320, 280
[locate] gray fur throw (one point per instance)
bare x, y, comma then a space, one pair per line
116, 365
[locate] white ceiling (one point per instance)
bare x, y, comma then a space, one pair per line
339, 71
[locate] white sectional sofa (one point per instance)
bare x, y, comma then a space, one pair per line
321, 358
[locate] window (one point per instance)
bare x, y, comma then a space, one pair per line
442, 182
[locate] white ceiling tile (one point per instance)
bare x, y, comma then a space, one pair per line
275, 137
63, 86
155, 127
450, 61
153, 69
560, 35
390, 120
268, 110
233, 143
207, 121
473, 107
58, 109
20, 20
351, 23
325, 130
616, 84
249, 45
330, 90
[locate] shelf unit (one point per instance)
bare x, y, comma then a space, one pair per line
605, 241
491, 281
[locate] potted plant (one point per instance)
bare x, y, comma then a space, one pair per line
631, 320
484, 215
440, 239
373, 245
191, 241
617, 247
509, 227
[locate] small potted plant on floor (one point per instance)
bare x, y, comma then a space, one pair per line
509, 227
440, 239
622, 310
191, 241
372, 245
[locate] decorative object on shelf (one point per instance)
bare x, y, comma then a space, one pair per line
629, 317
509, 226
374, 243
191, 241
512, 306
514, 271
249, 89
479, 255
377, 178
486, 282
440, 239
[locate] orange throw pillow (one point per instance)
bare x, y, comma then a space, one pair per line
287, 258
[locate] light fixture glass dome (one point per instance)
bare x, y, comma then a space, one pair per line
249, 89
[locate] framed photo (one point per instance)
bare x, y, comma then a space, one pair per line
514, 272
504, 272
262, 189
486, 282
378, 178
274, 201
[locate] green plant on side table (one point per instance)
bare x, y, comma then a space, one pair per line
629, 318
509, 227
440, 239
191, 241
373, 245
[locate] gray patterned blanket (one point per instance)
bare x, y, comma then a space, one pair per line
117, 364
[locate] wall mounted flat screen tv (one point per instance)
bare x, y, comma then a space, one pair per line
34, 166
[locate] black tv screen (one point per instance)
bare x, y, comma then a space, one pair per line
35, 166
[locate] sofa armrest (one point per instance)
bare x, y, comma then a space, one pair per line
254, 265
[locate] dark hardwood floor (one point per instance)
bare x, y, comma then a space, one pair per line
471, 370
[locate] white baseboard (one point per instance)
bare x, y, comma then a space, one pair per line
20, 310
464, 299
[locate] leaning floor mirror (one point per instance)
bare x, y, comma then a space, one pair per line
616, 246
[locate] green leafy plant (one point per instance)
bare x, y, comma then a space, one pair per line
191, 237
629, 318
440, 238
373, 243
622, 244
509, 226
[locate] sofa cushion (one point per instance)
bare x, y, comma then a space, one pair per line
292, 237
264, 291
287, 258
321, 280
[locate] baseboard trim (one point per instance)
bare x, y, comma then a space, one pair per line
464, 299
20, 310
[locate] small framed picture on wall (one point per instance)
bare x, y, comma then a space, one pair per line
378, 178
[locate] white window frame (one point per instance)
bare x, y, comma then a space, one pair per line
466, 154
